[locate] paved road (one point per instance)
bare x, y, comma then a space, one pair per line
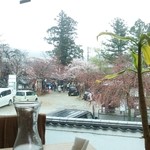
52, 102
56, 101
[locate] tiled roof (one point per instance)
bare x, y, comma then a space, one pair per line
95, 124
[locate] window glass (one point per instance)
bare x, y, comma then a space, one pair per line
20, 93
3, 93
7, 92
30, 93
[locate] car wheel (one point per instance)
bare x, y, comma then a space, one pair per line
10, 102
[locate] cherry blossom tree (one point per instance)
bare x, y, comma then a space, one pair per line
83, 73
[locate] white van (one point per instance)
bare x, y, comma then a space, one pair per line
6, 96
25, 95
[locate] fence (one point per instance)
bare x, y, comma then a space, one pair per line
117, 115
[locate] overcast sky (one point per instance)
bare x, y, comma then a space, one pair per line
24, 26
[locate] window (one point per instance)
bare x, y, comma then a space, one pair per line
30, 93
5, 93
20, 94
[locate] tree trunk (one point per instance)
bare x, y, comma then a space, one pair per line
147, 143
129, 114
129, 109
142, 103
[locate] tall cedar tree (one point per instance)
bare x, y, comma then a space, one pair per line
63, 37
114, 47
137, 29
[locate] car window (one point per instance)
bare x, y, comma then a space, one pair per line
86, 116
73, 88
30, 93
89, 116
20, 94
5, 93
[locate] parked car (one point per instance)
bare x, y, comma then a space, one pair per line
71, 113
25, 95
6, 96
73, 91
